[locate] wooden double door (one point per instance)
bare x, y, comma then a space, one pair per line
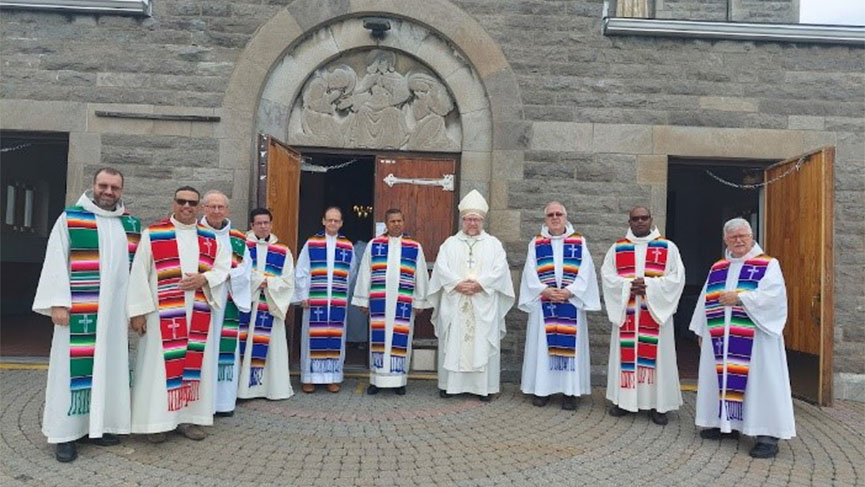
423, 188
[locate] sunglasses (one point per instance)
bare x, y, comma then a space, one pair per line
183, 202
641, 218
555, 214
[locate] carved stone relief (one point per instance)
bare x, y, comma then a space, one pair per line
394, 103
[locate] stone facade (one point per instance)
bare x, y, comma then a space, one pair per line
557, 111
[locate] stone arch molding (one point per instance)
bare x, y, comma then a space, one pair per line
339, 88
309, 35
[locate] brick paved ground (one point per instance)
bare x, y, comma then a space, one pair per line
419, 439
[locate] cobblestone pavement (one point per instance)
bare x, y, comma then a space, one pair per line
350, 438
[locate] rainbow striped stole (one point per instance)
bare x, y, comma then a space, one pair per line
740, 340
230, 322
638, 345
274, 262
327, 307
560, 319
182, 346
84, 282
377, 302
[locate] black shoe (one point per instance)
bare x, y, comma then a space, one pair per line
486, 398
658, 418
540, 401
715, 434
444, 394
569, 403
106, 440
224, 414
66, 452
618, 412
371, 390
400, 391
764, 450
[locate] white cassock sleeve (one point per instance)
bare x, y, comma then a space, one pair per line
53, 289
240, 286
444, 278
767, 305
280, 289
584, 289
421, 282
360, 297
531, 286
663, 293
302, 276
617, 289
497, 277
140, 298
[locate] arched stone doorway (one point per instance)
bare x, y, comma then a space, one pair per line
286, 51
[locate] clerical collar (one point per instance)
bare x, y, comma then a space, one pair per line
265, 239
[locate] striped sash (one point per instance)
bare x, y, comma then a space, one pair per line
273, 264
377, 303
182, 345
638, 336
327, 310
84, 282
230, 322
560, 319
735, 364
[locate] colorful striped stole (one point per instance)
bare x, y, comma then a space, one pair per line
182, 346
638, 344
273, 264
327, 307
230, 322
560, 319
735, 364
84, 282
377, 303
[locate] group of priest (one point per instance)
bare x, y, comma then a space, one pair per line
210, 302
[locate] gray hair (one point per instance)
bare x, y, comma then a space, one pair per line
215, 192
735, 223
564, 210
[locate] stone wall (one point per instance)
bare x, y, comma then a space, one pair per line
591, 122
768, 11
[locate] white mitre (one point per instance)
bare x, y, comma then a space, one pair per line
473, 203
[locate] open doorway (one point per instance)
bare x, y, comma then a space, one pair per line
32, 195
344, 180
698, 204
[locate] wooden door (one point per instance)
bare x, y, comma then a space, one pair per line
279, 187
799, 233
423, 188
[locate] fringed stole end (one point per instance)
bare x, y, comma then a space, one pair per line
325, 366
226, 373
645, 375
377, 360
255, 376
627, 380
397, 365
735, 410
558, 362
80, 402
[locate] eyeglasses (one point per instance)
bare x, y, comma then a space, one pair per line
641, 218
555, 214
216, 207
183, 202
733, 238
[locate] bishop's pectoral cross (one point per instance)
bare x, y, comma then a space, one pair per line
174, 325
86, 320
471, 260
